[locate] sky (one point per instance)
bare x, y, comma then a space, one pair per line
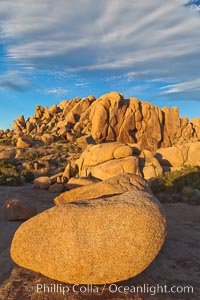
54, 50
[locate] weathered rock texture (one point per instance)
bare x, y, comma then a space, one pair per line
177, 156
109, 118
112, 186
75, 182
107, 160
23, 143
99, 241
7, 154
42, 183
149, 165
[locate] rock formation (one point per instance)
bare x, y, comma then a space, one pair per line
109, 118
177, 156
22, 143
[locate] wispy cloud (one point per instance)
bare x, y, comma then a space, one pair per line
133, 39
60, 92
35, 31
181, 87
194, 5
81, 84
14, 80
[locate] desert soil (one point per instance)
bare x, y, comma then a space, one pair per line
178, 263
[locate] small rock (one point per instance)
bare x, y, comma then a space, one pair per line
7, 154
56, 188
23, 143
84, 141
16, 209
42, 183
69, 137
67, 172
47, 138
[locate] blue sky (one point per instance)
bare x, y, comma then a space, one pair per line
50, 51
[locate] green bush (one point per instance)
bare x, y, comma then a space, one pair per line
12, 175
28, 137
9, 174
27, 176
7, 142
188, 191
176, 181
31, 155
72, 148
77, 134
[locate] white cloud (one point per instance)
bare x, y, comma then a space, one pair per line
60, 92
194, 5
126, 37
14, 80
182, 87
81, 83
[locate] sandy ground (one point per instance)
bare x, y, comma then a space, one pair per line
42, 199
178, 263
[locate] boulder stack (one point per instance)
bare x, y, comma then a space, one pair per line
107, 119
106, 160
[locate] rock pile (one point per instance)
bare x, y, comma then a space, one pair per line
104, 161
109, 118
177, 156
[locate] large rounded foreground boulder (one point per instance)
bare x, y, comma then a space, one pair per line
92, 242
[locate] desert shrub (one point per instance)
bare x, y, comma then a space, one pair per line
77, 134
9, 175
188, 191
7, 142
31, 155
62, 141
62, 164
58, 146
47, 132
47, 120
73, 148
176, 181
39, 122
28, 137
13, 175
27, 176
15, 180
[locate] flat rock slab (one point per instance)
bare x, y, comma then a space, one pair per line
92, 242
113, 186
